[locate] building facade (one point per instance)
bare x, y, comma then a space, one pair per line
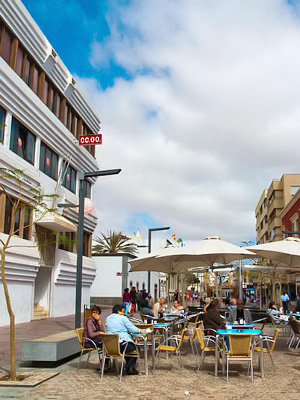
270, 205
42, 114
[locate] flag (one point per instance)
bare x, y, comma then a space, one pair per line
174, 237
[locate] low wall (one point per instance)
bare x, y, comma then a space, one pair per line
109, 301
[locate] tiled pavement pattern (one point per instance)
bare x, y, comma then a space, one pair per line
168, 382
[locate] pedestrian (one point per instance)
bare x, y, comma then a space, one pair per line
126, 300
133, 293
285, 302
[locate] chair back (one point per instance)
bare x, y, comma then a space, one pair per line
239, 345
274, 338
79, 332
199, 335
295, 325
87, 314
111, 344
181, 339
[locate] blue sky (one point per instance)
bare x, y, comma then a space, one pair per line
199, 105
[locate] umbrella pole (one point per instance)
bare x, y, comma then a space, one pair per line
260, 293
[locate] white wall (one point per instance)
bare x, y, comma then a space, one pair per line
107, 283
21, 297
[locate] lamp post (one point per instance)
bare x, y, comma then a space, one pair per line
82, 177
246, 243
150, 230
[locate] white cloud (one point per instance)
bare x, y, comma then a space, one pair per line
214, 120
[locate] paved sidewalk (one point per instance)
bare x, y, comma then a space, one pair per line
167, 382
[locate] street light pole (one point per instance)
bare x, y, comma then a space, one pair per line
150, 230
82, 177
247, 243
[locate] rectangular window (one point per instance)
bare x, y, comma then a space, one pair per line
86, 244
27, 72
19, 63
6, 46
27, 223
57, 108
35, 80
22, 141
45, 93
8, 214
69, 180
66, 241
51, 98
87, 191
22, 215
2, 122
48, 161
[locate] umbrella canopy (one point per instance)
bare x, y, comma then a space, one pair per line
151, 262
284, 252
207, 252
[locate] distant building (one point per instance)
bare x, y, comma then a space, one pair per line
270, 205
290, 216
42, 114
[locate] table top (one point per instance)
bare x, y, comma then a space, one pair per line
239, 331
239, 326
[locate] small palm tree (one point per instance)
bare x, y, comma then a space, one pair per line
114, 243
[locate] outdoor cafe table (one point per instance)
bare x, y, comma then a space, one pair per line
143, 335
226, 332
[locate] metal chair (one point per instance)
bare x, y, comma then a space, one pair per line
269, 349
111, 349
240, 349
207, 345
295, 332
87, 350
164, 347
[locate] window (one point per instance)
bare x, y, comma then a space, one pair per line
2, 122
66, 241
87, 244
57, 108
69, 180
51, 98
48, 161
294, 190
23, 219
35, 80
22, 141
19, 63
45, 92
295, 225
6, 46
87, 191
27, 72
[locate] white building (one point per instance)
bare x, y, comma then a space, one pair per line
42, 113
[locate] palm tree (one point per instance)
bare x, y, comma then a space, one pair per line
114, 243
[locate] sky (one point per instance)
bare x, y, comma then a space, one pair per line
199, 104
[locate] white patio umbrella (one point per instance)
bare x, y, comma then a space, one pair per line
283, 252
208, 252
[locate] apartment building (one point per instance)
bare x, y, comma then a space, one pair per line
42, 114
270, 205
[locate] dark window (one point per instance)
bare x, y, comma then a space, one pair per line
48, 161
51, 98
2, 122
35, 80
45, 94
69, 180
66, 241
19, 63
27, 223
57, 109
22, 141
86, 244
8, 214
6, 46
21, 214
87, 191
27, 71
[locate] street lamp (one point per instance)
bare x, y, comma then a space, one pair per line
165, 228
82, 177
246, 243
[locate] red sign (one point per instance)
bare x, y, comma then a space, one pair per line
85, 140
88, 205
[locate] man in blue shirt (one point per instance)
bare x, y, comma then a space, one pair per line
118, 323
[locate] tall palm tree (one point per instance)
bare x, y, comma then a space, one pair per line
114, 243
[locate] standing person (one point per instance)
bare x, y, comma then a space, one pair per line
285, 302
133, 297
176, 294
240, 313
139, 299
149, 298
93, 327
118, 323
126, 300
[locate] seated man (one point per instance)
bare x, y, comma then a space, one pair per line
176, 309
159, 308
118, 323
239, 313
212, 318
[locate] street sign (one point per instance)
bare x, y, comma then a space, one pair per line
88, 206
85, 140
